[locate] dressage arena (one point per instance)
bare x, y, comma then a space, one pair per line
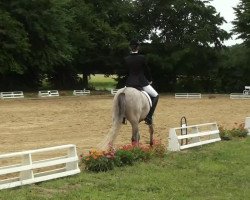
43, 122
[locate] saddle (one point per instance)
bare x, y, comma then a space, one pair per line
145, 93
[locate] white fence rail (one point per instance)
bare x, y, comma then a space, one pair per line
188, 95
114, 91
48, 93
11, 95
81, 92
239, 96
30, 168
196, 135
247, 125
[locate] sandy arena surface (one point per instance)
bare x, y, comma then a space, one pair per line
36, 123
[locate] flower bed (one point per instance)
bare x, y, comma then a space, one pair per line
237, 131
99, 161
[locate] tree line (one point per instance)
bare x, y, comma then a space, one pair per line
53, 41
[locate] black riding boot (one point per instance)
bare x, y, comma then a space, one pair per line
148, 119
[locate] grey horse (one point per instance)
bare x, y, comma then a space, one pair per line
132, 105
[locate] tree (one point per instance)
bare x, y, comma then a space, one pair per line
233, 70
14, 48
242, 21
99, 35
44, 23
188, 35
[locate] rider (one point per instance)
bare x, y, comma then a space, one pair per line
139, 76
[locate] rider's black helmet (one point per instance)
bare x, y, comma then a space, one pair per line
134, 43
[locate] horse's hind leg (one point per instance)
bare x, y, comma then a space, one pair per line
151, 131
135, 133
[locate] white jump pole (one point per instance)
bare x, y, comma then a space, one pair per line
247, 125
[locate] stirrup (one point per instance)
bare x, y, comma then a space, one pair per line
124, 120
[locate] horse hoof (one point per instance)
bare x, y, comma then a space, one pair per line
135, 143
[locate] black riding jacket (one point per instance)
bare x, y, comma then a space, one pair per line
138, 73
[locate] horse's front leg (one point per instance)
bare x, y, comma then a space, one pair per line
135, 133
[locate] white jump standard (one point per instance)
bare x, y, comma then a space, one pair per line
30, 169
247, 90
114, 91
244, 95
48, 93
11, 95
247, 125
196, 135
81, 92
239, 96
188, 95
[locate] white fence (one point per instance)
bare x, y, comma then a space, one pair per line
48, 93
247, 90
244, 95
239, 96
188, 95
30, 168
11, 95
247, 125
195, 135
114, 91
81, 92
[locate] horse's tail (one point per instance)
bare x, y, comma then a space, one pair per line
119, 107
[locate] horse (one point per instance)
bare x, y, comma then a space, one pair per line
132, 105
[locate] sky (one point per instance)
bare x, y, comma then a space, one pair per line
225, 8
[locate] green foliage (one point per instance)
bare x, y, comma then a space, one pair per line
233, 69
42, 42
58, 39
124, 157
225, 134
102, 82
158, 149
184, 22
241, 23
142, 153
183, 53
13, 42
238, 131
98, 161
215, 171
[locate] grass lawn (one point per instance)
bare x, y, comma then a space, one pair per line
100, 82
215, 171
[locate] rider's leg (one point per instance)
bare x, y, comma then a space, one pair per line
150, 90
154, 97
